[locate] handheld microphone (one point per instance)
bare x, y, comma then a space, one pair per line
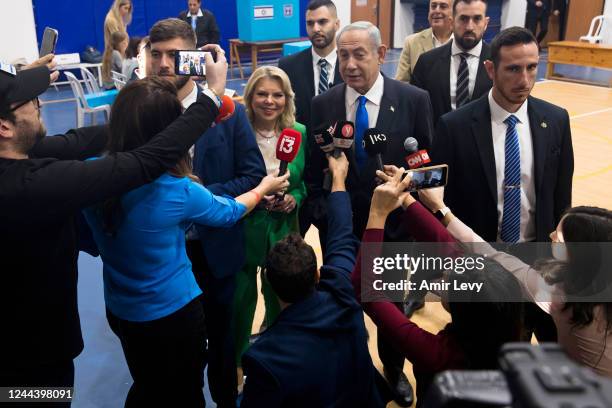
325, 140
375, 144
226, 110
416, 158
287, 148
344, 136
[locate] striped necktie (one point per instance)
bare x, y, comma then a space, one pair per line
323, 79
511, 219
463, 81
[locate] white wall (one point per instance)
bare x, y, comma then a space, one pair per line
344, 11
17, 31
403, 24
607, 29
513, 13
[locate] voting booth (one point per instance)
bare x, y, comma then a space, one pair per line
265, 20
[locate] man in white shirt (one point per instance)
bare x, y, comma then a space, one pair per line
454, 73
397, 110
440, 19
510, 155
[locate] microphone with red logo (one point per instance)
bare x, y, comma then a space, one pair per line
344, 136
287, 148
416, 158
226, 110
375, 144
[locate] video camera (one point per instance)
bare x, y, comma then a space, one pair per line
530, 377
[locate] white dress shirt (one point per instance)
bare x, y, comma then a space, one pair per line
437, 43
200, 14
331, 59
374, 96
472, 63
528, 196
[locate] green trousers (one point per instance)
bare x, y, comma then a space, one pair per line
262, 230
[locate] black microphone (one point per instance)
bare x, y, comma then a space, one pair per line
344, 136
325, 141
375, 144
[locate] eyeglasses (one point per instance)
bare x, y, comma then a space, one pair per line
35, 101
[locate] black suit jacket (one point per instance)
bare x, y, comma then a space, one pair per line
299, 68
432, 73
405, 111
207, 30
463, 140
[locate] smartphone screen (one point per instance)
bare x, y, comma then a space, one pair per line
190, 62
49, 41
428, 177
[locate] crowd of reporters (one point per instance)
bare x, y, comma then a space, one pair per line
188, 197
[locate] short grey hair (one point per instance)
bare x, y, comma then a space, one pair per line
373, 32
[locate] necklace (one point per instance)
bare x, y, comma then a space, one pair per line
268, 139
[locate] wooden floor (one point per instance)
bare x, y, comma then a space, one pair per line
590, 110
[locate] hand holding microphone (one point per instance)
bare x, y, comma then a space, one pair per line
287, 148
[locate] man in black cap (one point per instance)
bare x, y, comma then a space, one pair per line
43, 185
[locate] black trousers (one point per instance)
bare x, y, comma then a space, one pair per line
58, 374
535, 16
165, 357
218, 302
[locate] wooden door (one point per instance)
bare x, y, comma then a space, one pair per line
377, 12
579, 17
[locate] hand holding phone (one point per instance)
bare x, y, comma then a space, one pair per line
49, 41
190, 62
428, 177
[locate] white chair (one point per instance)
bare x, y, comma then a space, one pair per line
91, 83
82, 103
595, 31
119, 79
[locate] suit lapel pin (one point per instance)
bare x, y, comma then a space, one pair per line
392, 109
544, 125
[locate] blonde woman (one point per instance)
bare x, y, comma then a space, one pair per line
270, 106
113, 57
117, 19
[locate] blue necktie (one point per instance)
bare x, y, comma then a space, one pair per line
511, 219
323, 80
361, 125
194, 20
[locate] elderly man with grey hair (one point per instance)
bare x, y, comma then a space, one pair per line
397, 110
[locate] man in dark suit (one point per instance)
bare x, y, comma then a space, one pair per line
510, 204
510, 157
316, 352
454, 73
228, 161
398, 110
312, 72
539, 11
202, 22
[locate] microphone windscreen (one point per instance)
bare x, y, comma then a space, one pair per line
411, 145
288, 145
324, 140
344, 135
226, 110
374, 142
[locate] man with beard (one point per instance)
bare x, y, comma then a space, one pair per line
454, 74
44, 184
312, 72
228, 162
440, 19
521, 149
